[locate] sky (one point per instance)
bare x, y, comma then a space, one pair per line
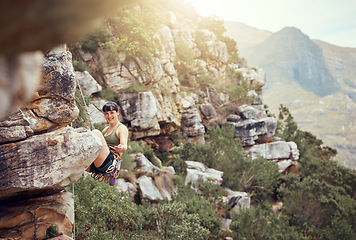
332, 21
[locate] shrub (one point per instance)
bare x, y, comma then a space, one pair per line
103, 213
174, 222
92, 41
80, 66
223, 152
259, 223
184, 52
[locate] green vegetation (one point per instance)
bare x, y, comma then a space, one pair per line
107, 214
80, 66
319, 202
184, 52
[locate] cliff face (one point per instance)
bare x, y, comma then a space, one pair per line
40, 155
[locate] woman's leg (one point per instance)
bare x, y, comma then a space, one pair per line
104, 152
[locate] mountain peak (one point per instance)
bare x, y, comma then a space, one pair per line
291, 54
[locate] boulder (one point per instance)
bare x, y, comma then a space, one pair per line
45, 164
145, 165
126, 187
191, 121
252, 112
14, 128
140, 110
87, 83
148, 189
31, 218
237, 200
54, 103
208, 111
196, 171
279, 150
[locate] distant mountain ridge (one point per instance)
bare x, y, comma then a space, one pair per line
314, 79
290, 54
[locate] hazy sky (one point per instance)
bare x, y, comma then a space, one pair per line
333, 21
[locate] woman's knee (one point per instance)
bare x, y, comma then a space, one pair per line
96, 132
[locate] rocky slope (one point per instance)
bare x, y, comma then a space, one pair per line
298, 68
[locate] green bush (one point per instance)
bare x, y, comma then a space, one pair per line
259, 223
175, 222
223, 152
103, 213
184, 52
80, 66
92, 41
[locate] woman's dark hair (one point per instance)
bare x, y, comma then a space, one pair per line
110, 106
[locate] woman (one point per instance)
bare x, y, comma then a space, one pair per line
114, 139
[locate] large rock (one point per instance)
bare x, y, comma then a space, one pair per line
191, 120
148, 189
275, 151
20, 76
145, 165
14, 128
196, 171
126, 187
54, 103
87, 83
31, 218
140, 109
46, 163
211, 47
253, 126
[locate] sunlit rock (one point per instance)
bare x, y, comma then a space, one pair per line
87, 83
47, 163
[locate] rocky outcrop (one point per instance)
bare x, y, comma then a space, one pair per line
256, 132
196, 171
252, 125
53, 105
153, 183
191, 121
46, 163
87, 83
40, 156
30, 219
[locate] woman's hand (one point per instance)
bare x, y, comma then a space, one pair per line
120, 148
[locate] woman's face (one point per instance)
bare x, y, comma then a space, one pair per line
111, 116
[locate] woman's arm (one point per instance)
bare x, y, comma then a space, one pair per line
122, 133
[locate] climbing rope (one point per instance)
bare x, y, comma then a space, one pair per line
85, 104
